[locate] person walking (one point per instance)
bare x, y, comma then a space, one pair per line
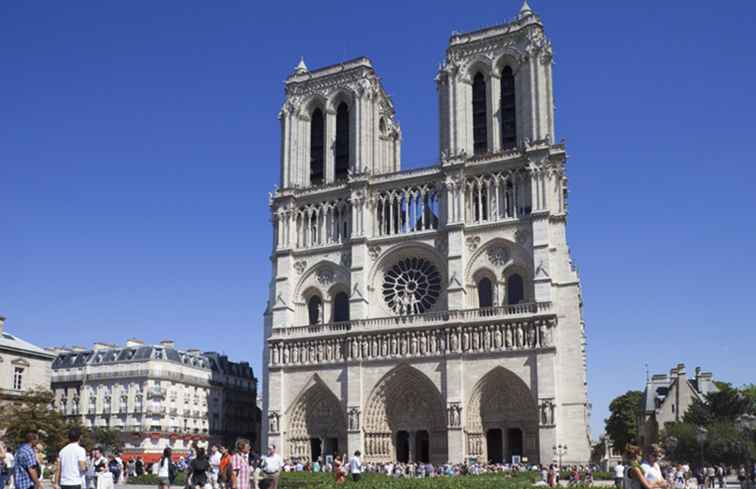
240, 465
166, 469
271, 466
198, 469
355, 466
619, 474
72, 463
26, 465
214, 459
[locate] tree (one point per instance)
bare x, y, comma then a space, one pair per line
32, 412
107, 439
622, 424
749, 391
724, 405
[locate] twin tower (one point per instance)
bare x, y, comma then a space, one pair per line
432, 314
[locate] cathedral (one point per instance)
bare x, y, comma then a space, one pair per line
431, 314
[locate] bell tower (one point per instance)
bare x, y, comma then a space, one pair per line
336, 122
494, 88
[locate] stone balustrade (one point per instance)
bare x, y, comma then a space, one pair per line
426, 319
493, 335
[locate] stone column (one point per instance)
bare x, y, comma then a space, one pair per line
494, 115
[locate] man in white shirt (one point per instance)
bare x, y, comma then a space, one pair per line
355, 466
619, 475
271, 466
72, 463
215, 460
650, 467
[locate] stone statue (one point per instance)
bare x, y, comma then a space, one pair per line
453, 341
541, 334
520, 336
320, 313
422, 344
531, 336
393, 344
508, 339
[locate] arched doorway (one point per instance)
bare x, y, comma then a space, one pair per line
315, 310
495, 446
422, 446
405, 418
515, 289
317, 424
402, 447
502, 418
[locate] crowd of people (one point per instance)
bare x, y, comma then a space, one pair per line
239, 467
648, 471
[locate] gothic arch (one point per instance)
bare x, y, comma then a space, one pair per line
475, 64
317, 414
510, 58
500, 258
501, 401
340, 95
405, 400
315, 101
394, 255
325, 278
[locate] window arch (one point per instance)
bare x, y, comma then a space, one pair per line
515, 289
317, 147
485, 292
315, 310
341, 156
480, 131
507, 110
340, 307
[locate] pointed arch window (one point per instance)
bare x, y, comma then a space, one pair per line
315, 310
341, 156
485, 293
507, 110
340, 307
317, 146
515, 289
480, 132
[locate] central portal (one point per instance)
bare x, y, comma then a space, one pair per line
422, 447
494, 446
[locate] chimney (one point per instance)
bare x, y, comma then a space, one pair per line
78, 349
102, 346
681, 370
168, 344
133, 342
2, 324
193, 351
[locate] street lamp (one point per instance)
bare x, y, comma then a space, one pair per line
559, 451
701, 433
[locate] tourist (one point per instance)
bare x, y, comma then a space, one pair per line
214, 459
26, 468
635, 474
619, 474
166, 469
355, 466
5, 470
271, 466
650, 466
198, 470
225, 468
72, 463
240, 465
139, 466
339, 472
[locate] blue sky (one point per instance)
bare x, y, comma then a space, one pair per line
139, 140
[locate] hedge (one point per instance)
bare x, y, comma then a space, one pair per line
304, 480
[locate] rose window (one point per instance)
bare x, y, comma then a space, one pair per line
411, 286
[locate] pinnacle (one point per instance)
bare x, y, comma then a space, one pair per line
525, 10
301, 66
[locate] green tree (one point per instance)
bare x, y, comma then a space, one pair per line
622, 424
107, 439
722, 406
32, 413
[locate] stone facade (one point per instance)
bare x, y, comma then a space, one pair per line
667, 398
431, 314
23, 366
157, 395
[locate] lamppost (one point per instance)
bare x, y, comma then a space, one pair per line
701, 438
746, 424
559, 451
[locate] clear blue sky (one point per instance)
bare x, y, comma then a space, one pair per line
139, 140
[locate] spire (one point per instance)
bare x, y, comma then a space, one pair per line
301, 66
525, 10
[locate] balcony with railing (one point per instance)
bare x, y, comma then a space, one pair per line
156, 392
427, 319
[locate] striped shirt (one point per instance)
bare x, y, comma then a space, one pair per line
240, 464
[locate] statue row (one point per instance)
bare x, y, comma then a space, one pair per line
378, 444
481, 338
